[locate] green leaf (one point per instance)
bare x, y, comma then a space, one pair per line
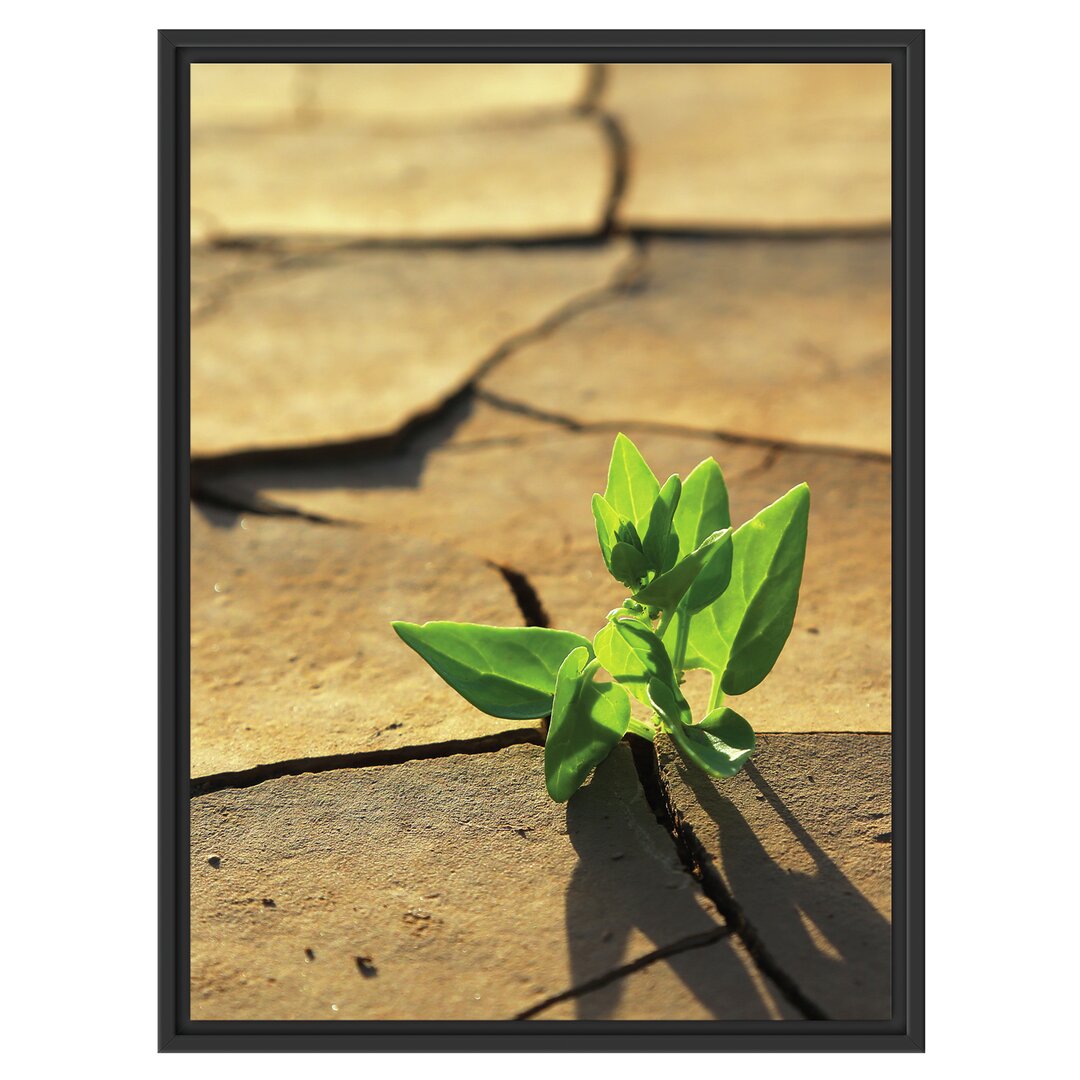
703, 507
507, 672
633, 655
587, 719
669, 705
661, 543
607, 525
668, 589
703, 510
740, 636
631, 487
628, 565
720, 745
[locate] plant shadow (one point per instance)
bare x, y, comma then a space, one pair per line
628, 877
818, 925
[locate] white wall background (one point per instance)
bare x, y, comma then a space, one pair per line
77, 423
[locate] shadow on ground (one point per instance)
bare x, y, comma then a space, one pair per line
817, 925
607, 888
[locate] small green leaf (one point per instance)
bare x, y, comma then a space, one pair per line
628, 565
671, 707
587, 719
628, 534
632, 488
507, 672
633, 655
661, 543
607, 525
668, 589
740, 636
720, 745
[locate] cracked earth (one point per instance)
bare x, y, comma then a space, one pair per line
423, 302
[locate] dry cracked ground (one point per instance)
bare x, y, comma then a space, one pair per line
423, 302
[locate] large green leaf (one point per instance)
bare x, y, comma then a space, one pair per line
633, 655
668, 589
632, 488
661, 543
507, 672
741, 635
587, 719
720, 745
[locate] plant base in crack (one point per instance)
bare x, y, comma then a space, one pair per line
702, 595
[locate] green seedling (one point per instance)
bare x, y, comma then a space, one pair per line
702, 595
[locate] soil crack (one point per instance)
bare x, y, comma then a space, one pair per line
697, 941
568, 423
528, 599
365, 759
224, 500
617, 143
700, 866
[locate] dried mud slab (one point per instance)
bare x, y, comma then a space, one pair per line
441, 889
404, 94
755, 146
292, 654
802, 840
225, 95
355, 344
489, 182
389, 94
785, 340
522, 501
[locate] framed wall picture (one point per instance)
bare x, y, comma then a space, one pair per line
541, 540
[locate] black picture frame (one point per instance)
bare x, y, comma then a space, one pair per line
904, 50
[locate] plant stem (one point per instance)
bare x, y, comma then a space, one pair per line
716, 695
646, 731
665, 621
682, 635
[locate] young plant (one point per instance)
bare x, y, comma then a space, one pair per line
702, 595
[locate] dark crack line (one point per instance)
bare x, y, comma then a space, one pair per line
699, 864
721, 235
365, 759
568, 423
617, 144
318, 248
526, 596
619, 149
698, 941
313, 251
767, 463
595, 82
221, 499
626, 277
